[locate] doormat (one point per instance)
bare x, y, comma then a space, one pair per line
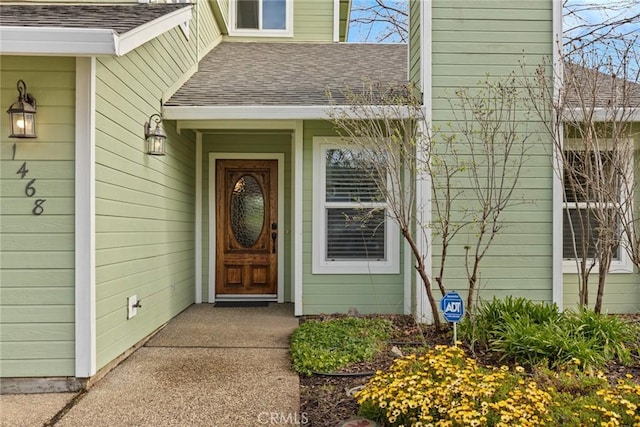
228, 304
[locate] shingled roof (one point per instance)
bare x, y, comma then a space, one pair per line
289, 74
120, 18
587, 88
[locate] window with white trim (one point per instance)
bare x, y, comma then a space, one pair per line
353, 232
584, 207
272, 18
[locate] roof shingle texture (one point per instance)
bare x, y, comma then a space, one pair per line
588, 88
293, 74
120, 18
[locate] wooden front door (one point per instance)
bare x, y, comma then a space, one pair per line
246, 227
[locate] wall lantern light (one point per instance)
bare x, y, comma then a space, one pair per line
156, 140
22, 114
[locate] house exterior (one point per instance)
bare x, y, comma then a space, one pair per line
456, 44
103, 243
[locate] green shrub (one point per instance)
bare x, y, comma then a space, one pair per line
521, 331
332, 345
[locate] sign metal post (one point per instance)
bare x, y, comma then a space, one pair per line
452, 308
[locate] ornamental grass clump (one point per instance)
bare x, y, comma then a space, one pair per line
444, 387
520, 331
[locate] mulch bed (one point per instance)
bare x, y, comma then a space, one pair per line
327, 400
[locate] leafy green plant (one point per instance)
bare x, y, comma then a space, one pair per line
521, 331
484, 326
332, 345
608, 333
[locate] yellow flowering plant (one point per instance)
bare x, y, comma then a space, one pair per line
444, 387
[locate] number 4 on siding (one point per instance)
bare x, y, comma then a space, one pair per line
23, 171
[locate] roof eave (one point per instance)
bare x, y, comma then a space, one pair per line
279, 112
603, 114
85, 41
57, 41
149, 31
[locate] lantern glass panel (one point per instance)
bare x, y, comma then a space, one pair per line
23, 124
155, 145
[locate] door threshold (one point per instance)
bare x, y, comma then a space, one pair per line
241, 297
232, 304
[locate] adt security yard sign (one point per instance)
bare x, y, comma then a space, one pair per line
453, 309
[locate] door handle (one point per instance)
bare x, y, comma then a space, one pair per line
274, 236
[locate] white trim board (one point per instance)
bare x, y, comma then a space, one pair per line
236, 125
198, 219
423, 310
85, 219
268, 112
86, 41
212, 214
336, 21
297, 189
557, 286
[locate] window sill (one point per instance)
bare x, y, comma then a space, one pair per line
355, 267
617, 267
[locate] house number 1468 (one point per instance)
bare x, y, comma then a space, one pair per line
30, 189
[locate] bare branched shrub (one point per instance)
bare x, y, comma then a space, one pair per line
472, 168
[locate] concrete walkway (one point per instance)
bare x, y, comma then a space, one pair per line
208, 367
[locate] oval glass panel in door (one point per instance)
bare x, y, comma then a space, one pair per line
247, 210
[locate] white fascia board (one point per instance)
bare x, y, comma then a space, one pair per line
149, 31
603, 114
57, 41
85, 41
261, 112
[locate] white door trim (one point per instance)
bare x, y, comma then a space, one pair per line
212, 214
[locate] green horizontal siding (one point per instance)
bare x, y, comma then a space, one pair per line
144, 204
472, 39
209, 32
328, 293
37, 312
254, 142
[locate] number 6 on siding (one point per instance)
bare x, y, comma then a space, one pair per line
29, 190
